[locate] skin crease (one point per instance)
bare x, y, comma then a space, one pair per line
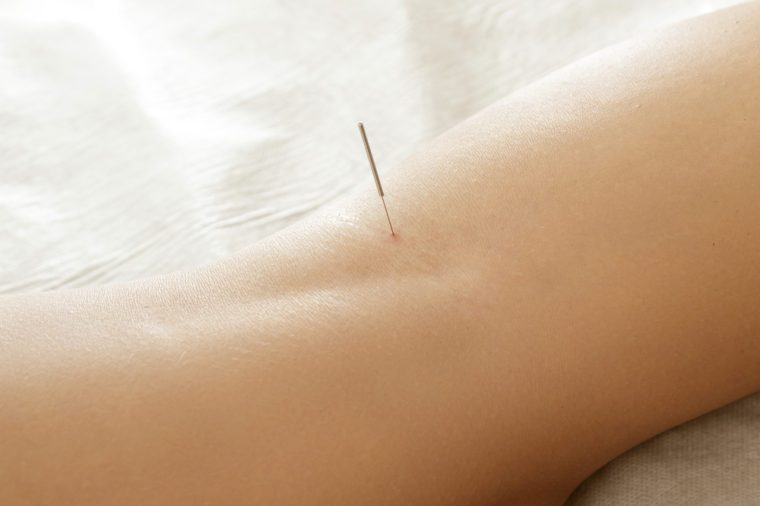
576, 270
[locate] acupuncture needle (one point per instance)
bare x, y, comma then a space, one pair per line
374, 174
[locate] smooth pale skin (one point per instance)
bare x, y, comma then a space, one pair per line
577, 269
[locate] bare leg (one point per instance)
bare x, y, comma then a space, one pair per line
576, 270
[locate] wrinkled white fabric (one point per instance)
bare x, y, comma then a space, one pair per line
140, 137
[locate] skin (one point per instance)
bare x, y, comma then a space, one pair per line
576, 270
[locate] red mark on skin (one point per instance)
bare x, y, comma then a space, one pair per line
394, 237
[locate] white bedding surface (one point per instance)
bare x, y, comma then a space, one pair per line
140, 137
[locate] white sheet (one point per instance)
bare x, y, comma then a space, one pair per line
144, 136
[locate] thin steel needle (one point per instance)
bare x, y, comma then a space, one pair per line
374, 174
